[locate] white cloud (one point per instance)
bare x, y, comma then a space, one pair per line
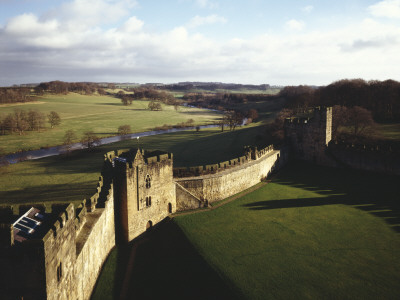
211, 19
386, 8
87, 13
207, 4
308, 9
133, 24
28, 24
37, 49
295, 25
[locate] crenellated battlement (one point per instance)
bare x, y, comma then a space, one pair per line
251, 154
63, 217
129, 158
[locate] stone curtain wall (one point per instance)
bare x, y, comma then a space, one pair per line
99, 233
185, 200
365, 158
215, 187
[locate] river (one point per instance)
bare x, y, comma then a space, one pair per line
57, 150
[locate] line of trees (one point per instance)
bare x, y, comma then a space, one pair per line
382, 98
148, 94
218, 100
15, 94
20, 121
61, 87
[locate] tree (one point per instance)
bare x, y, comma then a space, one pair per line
124, 129
54, 119
155, 105
90, 140
35, 120
252, 114
101, 91
234, 118
21, 123
68, 139
360, 122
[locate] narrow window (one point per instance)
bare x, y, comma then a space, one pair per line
170, 208
150, 201
59, 271
148, 181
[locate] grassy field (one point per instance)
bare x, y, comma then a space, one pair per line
101, 114
74, 177
390, 131
312, 233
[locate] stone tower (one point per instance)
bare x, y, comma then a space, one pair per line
308, 138
144, 191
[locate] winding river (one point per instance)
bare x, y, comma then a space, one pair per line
57, 150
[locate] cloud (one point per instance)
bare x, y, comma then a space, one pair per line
386, 8
211, 19
295, 25
41, 48
207, 4
308, 9
87, 13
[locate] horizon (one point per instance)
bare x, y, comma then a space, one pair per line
306, 42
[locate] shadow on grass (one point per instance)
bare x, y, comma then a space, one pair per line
375, 193
167, 266
55, 193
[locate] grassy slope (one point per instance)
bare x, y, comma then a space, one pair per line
102, 114
311, 233
74, 177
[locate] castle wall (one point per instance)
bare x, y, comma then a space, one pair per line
185, 200
145, 192
161, 191
365, 158
308, 138
60, 257
215, 187
98, 236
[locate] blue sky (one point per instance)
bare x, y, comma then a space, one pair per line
253, 41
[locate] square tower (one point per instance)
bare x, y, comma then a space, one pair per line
144, 191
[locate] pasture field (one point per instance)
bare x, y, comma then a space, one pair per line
73, 177
101, 114
311, 233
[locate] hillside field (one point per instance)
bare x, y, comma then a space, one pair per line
311, 233
73, 177
101, 114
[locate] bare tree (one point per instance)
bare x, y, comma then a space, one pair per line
69, 138
54, 119
124, 129
155, 105
90, 140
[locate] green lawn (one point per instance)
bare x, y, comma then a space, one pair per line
312, 233
102, 114
390, 131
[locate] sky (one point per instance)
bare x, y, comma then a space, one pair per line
286, 42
